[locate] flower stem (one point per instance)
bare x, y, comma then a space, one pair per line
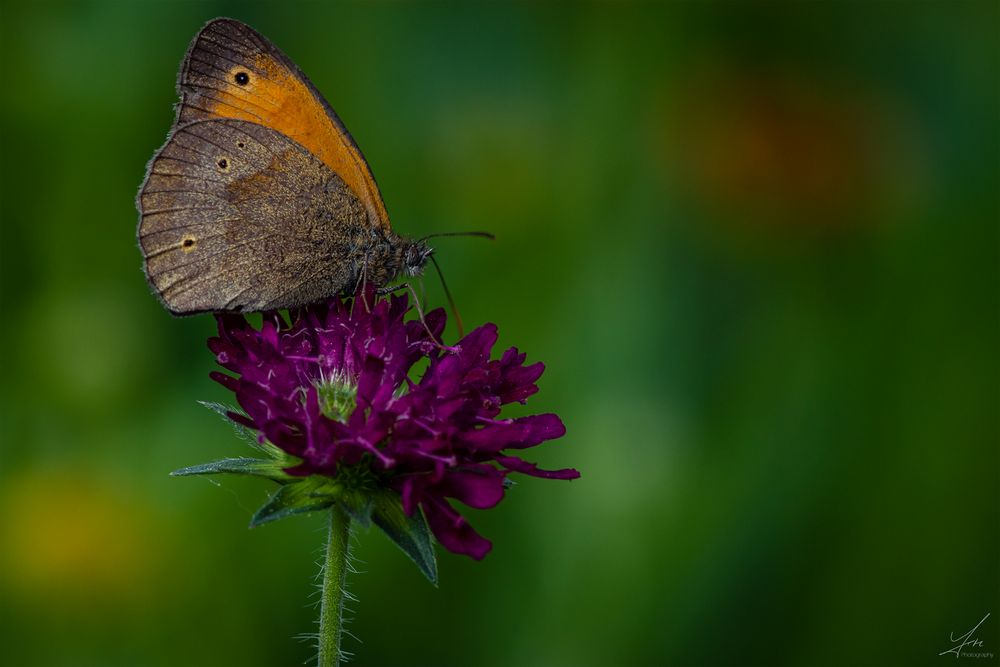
331, 612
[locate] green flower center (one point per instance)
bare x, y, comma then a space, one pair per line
337, 398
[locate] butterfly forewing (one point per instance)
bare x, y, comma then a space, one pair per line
236, 216
232, 71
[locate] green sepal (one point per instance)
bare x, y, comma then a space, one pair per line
410, 533
306, 495
358, 506
269, 469
223, 411
273, 467
245, 432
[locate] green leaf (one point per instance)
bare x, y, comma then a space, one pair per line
410, 533
269, 469
307, 495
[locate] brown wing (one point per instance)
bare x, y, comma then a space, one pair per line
232, 71
236, 216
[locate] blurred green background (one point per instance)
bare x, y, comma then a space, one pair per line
756, 245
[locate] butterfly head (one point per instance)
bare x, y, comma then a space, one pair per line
415, 257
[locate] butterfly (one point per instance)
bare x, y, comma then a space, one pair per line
260, 199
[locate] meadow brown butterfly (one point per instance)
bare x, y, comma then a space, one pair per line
260, 199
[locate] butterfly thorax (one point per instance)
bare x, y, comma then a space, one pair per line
377, 255
387, 257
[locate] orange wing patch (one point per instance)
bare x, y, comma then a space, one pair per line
231, 71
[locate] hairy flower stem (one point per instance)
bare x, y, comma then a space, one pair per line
331, 612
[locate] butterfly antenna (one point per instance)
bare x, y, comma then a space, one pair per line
364, 284
451, 301
485, 235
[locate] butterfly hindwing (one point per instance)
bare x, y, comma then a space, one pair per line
236, 216
232, 71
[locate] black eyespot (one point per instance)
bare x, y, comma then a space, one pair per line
223, 163
242, 78
240, 144
188, 243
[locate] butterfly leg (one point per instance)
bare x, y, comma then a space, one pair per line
363, 280
382, 291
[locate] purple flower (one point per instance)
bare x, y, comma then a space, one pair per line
334, 388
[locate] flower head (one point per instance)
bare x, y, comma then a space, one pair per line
334, 388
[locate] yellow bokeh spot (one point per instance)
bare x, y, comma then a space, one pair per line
75, 540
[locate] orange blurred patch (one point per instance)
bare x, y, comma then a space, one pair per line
784, 149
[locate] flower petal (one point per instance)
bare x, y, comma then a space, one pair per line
453, 531
518, 433
227, 381
519, 465
478, 486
